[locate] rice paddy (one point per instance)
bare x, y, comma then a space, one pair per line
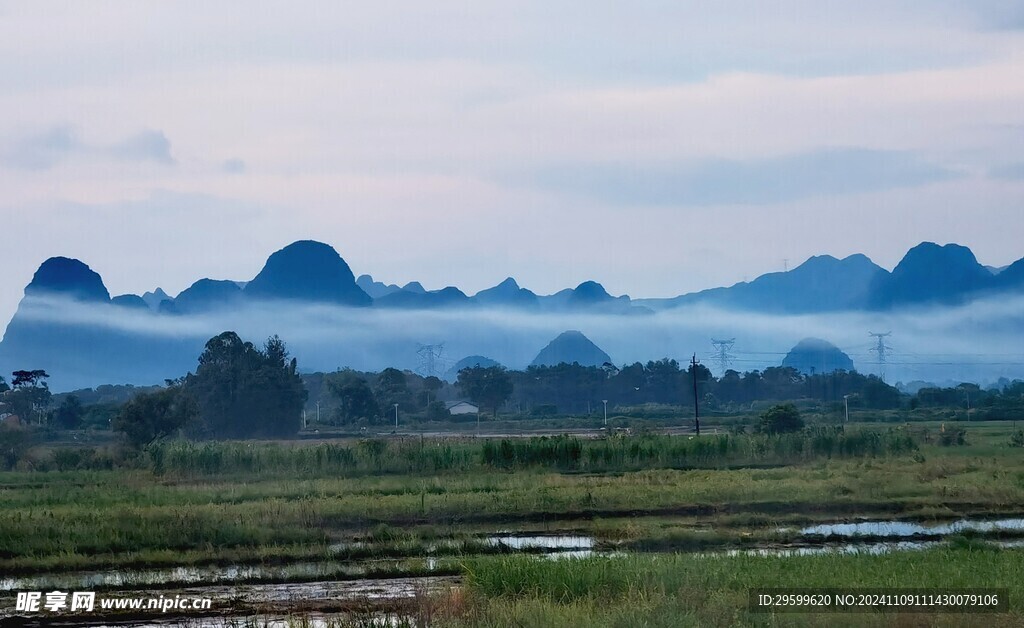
659, 510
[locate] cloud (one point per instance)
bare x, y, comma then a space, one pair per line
233, 166
41, 151
1008, 172
975, 342
46, 149
145, 146
729, 182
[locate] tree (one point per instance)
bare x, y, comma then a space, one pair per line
69, 414
356, 400
3, 385
392, 388
488, 386
31, 394
151, 416
781, 419
432, 384
29, 378
245, 392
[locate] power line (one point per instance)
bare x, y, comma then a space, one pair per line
722, 356
881, 350
431, 359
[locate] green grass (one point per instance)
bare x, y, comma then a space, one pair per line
253, 502
689, 590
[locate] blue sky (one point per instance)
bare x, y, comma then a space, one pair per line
658, 147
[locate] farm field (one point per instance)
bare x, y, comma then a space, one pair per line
626, 530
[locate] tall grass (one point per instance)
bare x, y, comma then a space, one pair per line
431, 456
361, 458
617, 577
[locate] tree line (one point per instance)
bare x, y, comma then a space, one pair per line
240, 390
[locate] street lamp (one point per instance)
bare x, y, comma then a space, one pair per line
396, 416
605, 402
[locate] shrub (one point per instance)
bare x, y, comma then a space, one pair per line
781, 419
953, 438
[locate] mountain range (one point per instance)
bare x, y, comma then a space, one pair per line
314, 272
306, 272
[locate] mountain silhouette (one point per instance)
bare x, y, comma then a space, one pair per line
821, 284
62, 276
452, 374
154, 298
404, 299
132, 301
375, 289
507, 293
571, 347
207, 294
814, 355
931, 274
308, 271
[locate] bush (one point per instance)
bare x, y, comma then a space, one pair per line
1017, 439
953, 438
14, 442
781, 419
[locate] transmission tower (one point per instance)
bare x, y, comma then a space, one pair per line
882, 350
722, 356
430, 359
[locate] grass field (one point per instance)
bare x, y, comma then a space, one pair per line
277, 503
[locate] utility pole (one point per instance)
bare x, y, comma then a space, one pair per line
846, 402
605, 402
696, 399
396, 417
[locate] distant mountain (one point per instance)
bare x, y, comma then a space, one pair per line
132, 301
821, 284
930, 274
590, 296
452, 374
69, 339
507, 293
61, 276
375, 289
207, 294
153, 299
308, 271
68, 324
1011, 277
814, 355
569, 347
404, 299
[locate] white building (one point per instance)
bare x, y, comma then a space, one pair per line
461, 407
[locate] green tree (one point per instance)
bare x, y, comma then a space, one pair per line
355, 397
245, 392
69, 414
781, 419
30, 396
431, 385
392, 388
488, 386
151, 416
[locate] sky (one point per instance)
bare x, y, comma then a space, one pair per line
657, 147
